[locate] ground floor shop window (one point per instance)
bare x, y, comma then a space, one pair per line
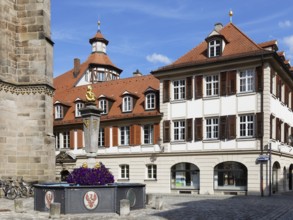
230, 176
184, 176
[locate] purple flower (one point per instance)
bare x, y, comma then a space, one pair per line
91, 176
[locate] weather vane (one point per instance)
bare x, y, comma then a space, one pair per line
231, 15
99, 25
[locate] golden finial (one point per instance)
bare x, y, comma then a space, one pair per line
231, 15
99, 25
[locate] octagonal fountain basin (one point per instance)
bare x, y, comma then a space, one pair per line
88, 199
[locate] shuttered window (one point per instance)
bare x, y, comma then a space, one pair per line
166, 131
231, 127
223, 127
198, 129
259, 79
189, 131
166, 91
189, 91
198, 87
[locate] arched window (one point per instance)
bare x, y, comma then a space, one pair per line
230, 176
184, 176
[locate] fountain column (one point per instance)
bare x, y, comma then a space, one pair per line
91, 125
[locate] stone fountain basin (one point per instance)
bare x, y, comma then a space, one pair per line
88, 199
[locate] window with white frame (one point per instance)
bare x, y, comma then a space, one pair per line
179, 130
124, 171
103, 105
124, 135
127, 104
179, 89
246, 123
214, 48
212, 128
101, 138
58, 111
78, 106
150, 101
148, 131
246, 78
212, 85
66, 139
151, 171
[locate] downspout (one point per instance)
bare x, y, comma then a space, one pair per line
262, 127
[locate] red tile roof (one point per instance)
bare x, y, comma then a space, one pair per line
67, 80
272, 43
111, 89
237, 43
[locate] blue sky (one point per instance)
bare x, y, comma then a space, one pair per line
146, 35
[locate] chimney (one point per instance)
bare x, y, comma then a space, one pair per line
137, 73
218, 27
76, 67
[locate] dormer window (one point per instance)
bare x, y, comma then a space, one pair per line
215, 48
58, 111
150, 101
127, 104
78, 106
103, 104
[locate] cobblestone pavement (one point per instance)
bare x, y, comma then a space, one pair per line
181, 207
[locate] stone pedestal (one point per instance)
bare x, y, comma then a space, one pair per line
91, 126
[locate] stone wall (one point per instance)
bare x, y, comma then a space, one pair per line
26, 79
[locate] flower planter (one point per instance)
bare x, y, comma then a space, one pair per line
88, 199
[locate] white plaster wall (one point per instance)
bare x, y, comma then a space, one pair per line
281, 111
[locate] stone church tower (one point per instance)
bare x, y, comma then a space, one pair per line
26, 79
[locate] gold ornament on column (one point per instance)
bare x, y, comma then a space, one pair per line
90, 96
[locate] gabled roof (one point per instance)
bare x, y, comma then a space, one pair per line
113, 89
238, 43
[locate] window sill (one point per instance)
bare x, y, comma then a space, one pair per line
150, 180
123, 179
245, 94
211, 97
147, 145
246, 139
211, 141
178, 101
123, 146
178, 142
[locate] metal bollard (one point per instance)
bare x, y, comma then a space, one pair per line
55, 210
124, 207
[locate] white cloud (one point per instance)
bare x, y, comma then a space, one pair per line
288, 41
285, 24
158, 58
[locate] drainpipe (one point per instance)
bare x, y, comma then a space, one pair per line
262, 127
